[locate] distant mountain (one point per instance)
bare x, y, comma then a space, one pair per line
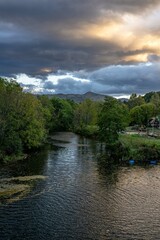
80, 97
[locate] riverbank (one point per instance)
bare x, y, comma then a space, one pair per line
12, 158
78, 200
141, 148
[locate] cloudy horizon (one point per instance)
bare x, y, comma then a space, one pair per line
71, 46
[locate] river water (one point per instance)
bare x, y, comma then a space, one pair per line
78, 201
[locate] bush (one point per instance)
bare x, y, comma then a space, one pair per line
142, 148
88, 131
117, 151
145, 153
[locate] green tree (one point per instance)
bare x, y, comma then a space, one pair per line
147, 97
63, 114
113, 119
135, 101
10, 94
148, 112
32, 129
48, 111
136, 116
21, 119
87, 113
86, 117
155, 99
141, 114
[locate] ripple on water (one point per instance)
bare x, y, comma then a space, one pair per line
76, 201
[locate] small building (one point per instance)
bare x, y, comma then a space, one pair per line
154, 122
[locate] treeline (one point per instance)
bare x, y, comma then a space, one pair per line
26, 119
136, 113
22, 123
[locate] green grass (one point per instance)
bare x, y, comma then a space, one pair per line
141, 147
136, 140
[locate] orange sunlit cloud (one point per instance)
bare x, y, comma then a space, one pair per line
46, 70
132, 32
92, 45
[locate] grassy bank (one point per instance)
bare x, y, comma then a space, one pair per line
141, 148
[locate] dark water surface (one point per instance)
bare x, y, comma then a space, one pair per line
76, 201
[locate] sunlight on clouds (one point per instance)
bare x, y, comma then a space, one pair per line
55, 78
27, 80
36, 85
116, 33
137, 58
116, 80
106, 31
132, 32
115, 40
147, 41
127, 31
142, 31
110, 31
46, 70
40, 90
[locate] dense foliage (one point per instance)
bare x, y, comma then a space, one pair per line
63, 114
21, 120
141, 114
86, 117
113, 119
25, 119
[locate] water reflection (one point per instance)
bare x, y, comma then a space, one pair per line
33, 165
82, 199
107, 170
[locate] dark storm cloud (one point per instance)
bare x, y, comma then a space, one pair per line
124, 80
52, 17
31, 57
35, 37
102, 38
67, 10
153, 58
116, 80
139, 78
68, 85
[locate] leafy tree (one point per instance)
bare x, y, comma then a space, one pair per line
48, 111
86, 117
32, 130
147, 97
63, 114
21, 119
113, 118
141, 114
136, 116
148, 112
10, 94
155, 99
135, 101
87, 113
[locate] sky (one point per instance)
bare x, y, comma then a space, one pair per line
110, 47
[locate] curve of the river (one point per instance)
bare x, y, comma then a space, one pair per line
76, 201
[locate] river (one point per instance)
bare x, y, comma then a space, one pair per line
78, 201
